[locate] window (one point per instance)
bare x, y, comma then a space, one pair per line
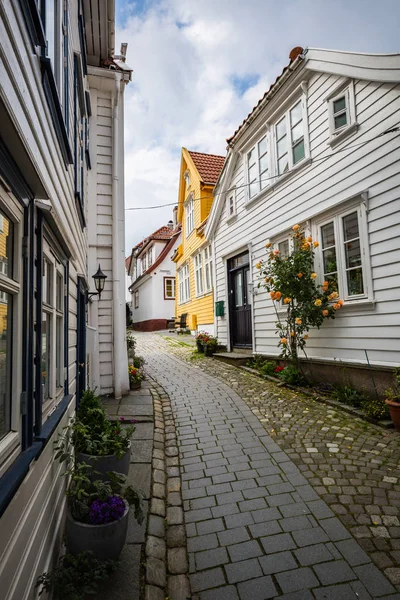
189, 216
150, 257
144, 263
136, 296
79, 133
258, 167
169, 288
184, 284
343, 254
342, 113
289, 132
187, 179
283, 248
208, 269
339, 113
7, 295
230, 205
198, 274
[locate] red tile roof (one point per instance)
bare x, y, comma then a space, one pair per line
292, 57
209, 166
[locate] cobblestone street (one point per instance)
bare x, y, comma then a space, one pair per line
283, 496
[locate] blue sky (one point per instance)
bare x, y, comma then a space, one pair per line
199, 66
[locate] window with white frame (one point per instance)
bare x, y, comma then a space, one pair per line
342, 112
169, 288
187, 179
257, 167
289, 133
184, 284
136, 298
343, 253
189, 209
230, 205
144, 263
52, 342
208, 277
198, 274
150, 257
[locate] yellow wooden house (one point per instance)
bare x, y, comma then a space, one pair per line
194, 273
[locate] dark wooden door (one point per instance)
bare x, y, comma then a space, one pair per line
81, 341
239, 302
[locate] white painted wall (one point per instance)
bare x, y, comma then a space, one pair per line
316, 188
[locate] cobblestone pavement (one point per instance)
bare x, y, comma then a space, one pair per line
254, 469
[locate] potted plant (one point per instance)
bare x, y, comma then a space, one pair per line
210, 345
97, 512
393, 399
135, 377
200, 339
103, 444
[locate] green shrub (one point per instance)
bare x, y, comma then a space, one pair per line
268, 368
376, 409
292, 376
138, 361
348, 395
256, 362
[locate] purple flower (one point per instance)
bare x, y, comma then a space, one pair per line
122, 419
103, 512
133, 421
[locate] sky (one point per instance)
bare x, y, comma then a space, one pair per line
199, 67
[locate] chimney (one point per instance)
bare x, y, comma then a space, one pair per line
175, 216
170, 225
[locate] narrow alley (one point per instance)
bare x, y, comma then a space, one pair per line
256, 528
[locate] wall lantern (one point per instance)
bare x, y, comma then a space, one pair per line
99, 283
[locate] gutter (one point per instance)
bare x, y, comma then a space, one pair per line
111, 28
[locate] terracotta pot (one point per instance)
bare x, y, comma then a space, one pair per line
135, 385
394, 409
105, 541
104, 464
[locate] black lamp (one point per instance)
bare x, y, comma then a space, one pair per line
99, 283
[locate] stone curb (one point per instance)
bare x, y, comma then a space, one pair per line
167, 566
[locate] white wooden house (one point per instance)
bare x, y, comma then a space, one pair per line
321, 148
61, 214
153, 279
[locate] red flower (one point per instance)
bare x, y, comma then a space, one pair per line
279, 369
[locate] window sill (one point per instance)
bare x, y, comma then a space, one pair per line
364, 304
183, 303
335, 140
204, 295
231, 219
278, 181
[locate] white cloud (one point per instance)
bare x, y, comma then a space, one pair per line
186, 57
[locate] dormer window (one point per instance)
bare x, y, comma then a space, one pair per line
339, 110
189, 209
230, 205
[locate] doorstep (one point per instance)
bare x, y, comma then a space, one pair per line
236, 358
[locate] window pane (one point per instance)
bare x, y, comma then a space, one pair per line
350, 227
283, 165
282, 146
297, 133
254, 188
328, 235
298, 152
264, 164
339, 104
283, 248
262, 146
251, 157
59, 292
59, 352
296, 114
239, 289
45, 355
353, 254
5, 362
6, 243
280, 129
330, 265
355, 282
340, 121
252, 173
50, 25
333, 282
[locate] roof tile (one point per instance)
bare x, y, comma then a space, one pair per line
209, 166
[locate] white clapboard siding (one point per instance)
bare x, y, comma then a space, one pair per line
316, 188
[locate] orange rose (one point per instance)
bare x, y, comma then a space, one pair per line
292, 333
268, 245
283, 340
336, 306
266, 279
296, 227
309, 239
276, 252
325, 313
298, 321
306, 245
287, 301
272, 294
316, 244
258, 265
300, 275
313, 275
305, 337
318, 302
278, 295
340, 302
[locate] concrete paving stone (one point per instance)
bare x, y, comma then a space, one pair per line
136, 410
255, 504
221, 487
201, 514
266, 514
157, 507
252, 474
312, 555
124, 582
241, 571
276, 563
137, 533
174, 515
261, 588
293, 510
155, 547
176, 536
194, 493
338, 592
335, 529
143, 431
139, 476
203, 502
216, 471
200, 482
255, 492
178, 587
202, 542
352, 552
177, 561
264, 529
207, 579
373, 580
295, 523
297, 580
158, 490
233, 536
156, 526
320, 509
245, 484
244, 550
278, 543
334, 572
211, 526
155, 572
159, 476
279, 488
211, 558
229, 497
237, 520
308, 537
227, 592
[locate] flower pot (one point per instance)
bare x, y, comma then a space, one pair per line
209, 350
105, 541
199, 347
104, 464
135, 385
394, 409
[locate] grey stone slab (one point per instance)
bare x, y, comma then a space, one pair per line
139, 476
264, 529
334, 572
136, 533
295, 523
141, 451
297, 580
334, 529
233, 536
202, 542
245, 550
254, 504
261, 588
312, 555
238, 520
266, 514
276, 563
210, 526
300, 595
135, 400
125, 581
278, 543
227, 592
320, 509
207, 579
229, 497
308, 537
352, 552
136, 410
342, 591
202, 502
373, 580
178, 587
211, 558
240, 571
201, 514
143, 431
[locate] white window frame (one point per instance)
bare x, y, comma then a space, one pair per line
231, 205
184, 283
189, 215
289, 126
336, 216
347, 91
262, 176
186, 177
136, 299
208, 269
150, 257
143, 261
173, 288
198, 274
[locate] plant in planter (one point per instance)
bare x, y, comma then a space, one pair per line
200, 338
103, 444
135, 377
138, 362
393, 399
210, 345
97, 515
75, 577
130, 344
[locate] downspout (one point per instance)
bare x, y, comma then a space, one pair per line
117, 355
